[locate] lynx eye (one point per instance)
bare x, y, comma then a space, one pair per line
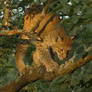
62, 38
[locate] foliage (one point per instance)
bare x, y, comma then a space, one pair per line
76, 16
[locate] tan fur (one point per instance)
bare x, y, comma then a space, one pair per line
21, 49
53, 37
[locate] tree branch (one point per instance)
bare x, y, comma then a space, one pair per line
33, 74
10, 32
71, 65
6, 14
21, 81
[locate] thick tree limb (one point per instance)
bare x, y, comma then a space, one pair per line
89, 48
33, 74
21, 81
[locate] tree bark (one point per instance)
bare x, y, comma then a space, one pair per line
32, 74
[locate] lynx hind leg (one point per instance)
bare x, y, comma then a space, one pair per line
42, 57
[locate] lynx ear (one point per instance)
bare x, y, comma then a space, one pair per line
73, 37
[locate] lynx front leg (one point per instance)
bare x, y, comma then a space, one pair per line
42, 57
20, 51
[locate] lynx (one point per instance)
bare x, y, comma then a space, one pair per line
53, 37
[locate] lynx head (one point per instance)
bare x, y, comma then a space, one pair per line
62, 46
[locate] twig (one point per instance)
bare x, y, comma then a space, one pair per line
6, 14
89, 48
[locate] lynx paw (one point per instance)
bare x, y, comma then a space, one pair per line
22, 72
51, 66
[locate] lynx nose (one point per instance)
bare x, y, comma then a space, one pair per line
61, 49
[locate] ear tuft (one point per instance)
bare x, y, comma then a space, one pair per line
73, 37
